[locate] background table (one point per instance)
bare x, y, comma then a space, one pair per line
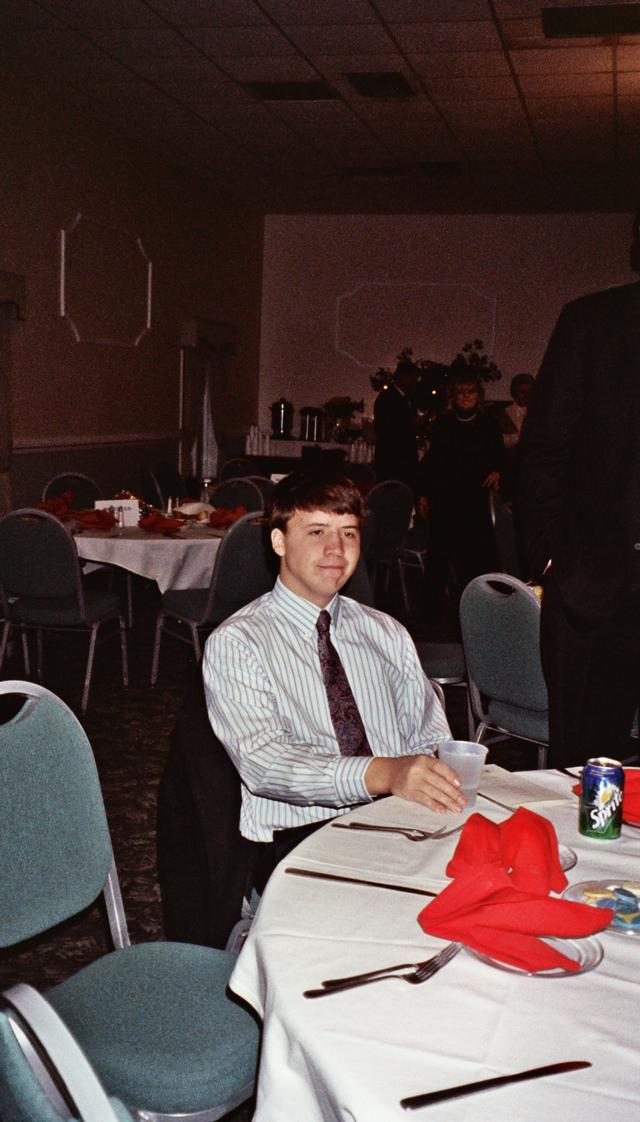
183, 561
353, 1056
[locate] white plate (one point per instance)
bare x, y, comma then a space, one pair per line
586, 952
567, 858
576, 892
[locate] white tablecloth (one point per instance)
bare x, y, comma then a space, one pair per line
353, 1056
183, 561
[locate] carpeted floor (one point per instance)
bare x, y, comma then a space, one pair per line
129, 733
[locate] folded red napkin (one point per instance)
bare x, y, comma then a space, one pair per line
631, 795
156, 523
94, 519
499, 899
59, 505
221, 516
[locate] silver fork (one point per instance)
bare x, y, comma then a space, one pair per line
412, 833
413, 972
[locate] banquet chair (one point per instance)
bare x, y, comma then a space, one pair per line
238, 468
500, 624
85, 490
245, 567
44, 1074
266, 487
444, 665
153, 1019
237, 492
41, 588
390, 507
161, 483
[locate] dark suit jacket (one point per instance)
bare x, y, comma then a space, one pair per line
579, 498
396, 455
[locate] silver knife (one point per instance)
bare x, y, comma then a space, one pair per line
414, 1102
356, 880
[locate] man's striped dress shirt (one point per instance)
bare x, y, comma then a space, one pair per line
268, 705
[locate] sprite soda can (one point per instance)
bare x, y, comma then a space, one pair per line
601, 798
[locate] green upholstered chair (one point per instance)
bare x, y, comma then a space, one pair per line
444, 665
500, 624
154, 1019
44, 1074
41, 588
245, 567
389, 508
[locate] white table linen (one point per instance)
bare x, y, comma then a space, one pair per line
353, 1056
183, 561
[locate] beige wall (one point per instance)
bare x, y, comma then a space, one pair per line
206, 264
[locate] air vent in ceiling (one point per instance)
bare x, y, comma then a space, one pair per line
440, 168
291, 91
602, 19
386, 83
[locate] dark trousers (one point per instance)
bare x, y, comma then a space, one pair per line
266, 855
593, 680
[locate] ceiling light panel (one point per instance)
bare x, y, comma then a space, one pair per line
591, 19
381, 84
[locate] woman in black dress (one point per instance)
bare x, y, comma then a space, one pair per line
463, 464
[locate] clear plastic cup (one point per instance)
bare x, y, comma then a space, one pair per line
466, 758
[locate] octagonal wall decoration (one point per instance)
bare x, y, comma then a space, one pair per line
105, 283
375, 320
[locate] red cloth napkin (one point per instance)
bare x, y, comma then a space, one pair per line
94, 519
59, 505
221, 517
156, 523
499, 899
630, 798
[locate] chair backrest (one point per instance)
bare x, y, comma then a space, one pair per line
44, 1074
392, 504
55, 849
359, 586
502, 520
237, 492
236, 469
38, 557
266, 487
245, 566
161, 483
85, 490
500, 624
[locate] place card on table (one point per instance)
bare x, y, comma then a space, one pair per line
129, 508
512, 789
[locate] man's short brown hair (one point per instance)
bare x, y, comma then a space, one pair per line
314, 490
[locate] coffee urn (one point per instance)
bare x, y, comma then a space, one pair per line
311, 423
281, 419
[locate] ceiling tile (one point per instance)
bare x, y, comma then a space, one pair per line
529, 33
628, 58
142, 42
210, 13
569, 108
417, 38
294, 13
449, 64
629, 82
104, 13
483, 88
290, 68
241, 42
346, 40
417, 11
558, 60
334, 66
178, 71
565, 85
25, 14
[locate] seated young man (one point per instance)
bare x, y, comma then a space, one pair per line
271, 680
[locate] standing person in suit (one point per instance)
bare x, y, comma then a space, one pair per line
579, 503
394, 414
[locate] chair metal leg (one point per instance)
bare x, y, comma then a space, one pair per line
403, 586
6, 628
196, 641
39, 653
129, 600
123, 650
87, 677
156, 647
25, 653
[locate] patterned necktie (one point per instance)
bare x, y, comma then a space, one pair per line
347, 722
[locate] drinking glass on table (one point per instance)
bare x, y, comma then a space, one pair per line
466, 758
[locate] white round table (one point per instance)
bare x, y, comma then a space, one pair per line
183, 560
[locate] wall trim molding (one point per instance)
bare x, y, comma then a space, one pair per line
27, 444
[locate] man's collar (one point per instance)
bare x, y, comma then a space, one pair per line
300, 611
